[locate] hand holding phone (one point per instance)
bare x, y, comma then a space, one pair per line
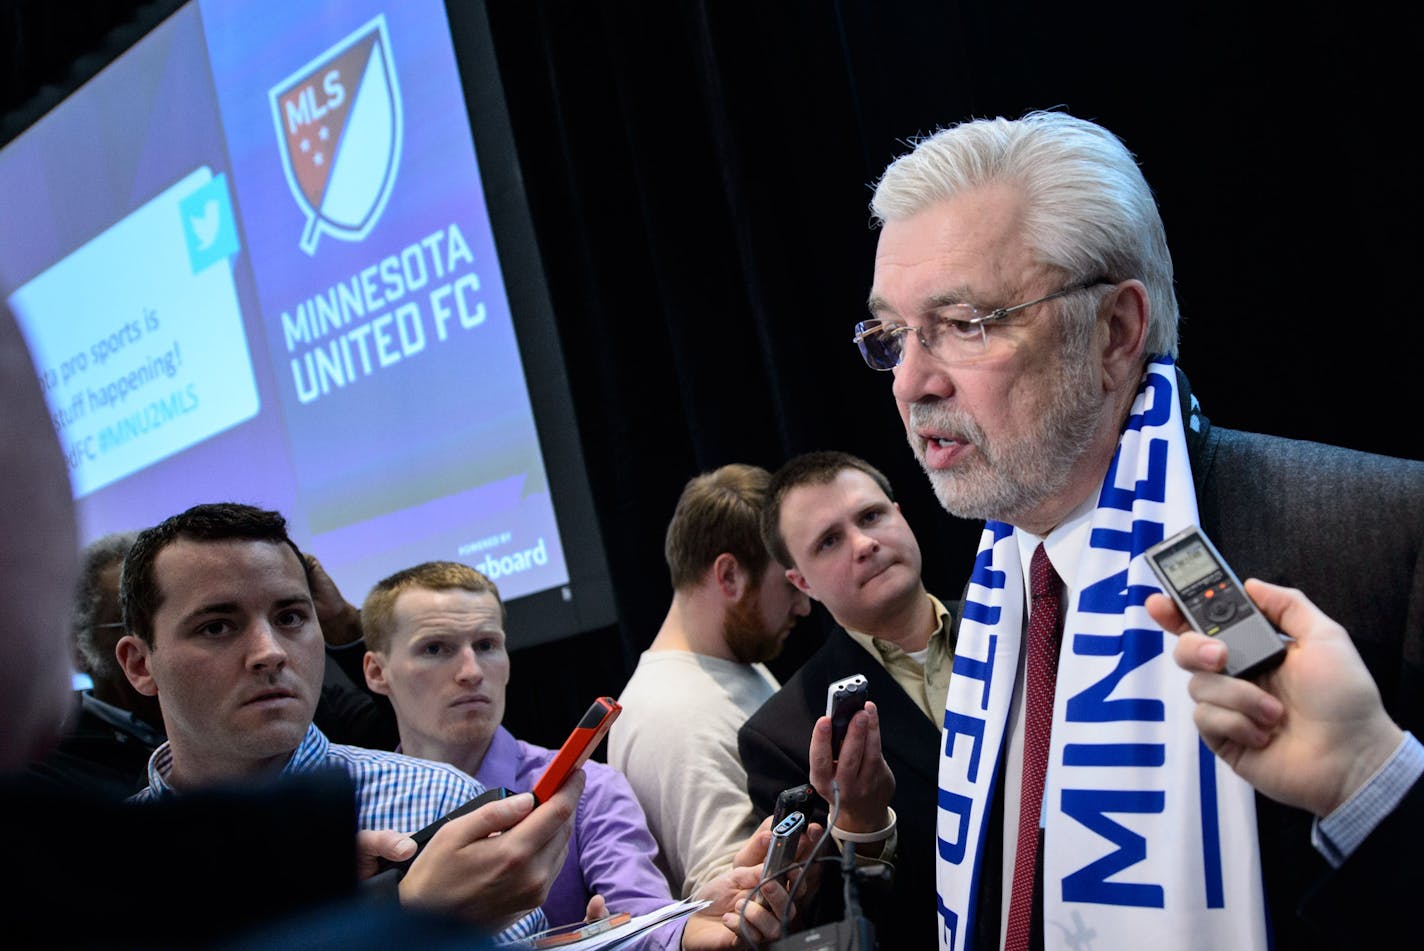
843, 699
423, 837
576, 749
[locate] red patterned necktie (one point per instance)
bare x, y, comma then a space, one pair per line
1043, 636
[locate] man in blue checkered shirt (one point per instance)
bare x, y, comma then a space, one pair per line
222, 629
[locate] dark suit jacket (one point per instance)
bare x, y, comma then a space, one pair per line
203, 866
774, 743
103, 751
1347, 528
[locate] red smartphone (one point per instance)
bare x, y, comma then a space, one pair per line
568, 934
581, 742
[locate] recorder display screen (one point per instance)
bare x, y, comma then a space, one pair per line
1187, 564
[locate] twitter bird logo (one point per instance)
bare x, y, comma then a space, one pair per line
205, 226
208, 225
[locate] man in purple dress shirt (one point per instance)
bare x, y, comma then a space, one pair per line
436, 647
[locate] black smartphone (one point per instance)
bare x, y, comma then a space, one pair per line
843, 699
424, 835
795, 799
1208, 593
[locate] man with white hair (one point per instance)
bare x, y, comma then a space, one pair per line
1023, 300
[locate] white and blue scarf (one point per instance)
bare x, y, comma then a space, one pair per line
1149, 842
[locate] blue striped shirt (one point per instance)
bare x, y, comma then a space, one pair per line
1338, 835
392, 792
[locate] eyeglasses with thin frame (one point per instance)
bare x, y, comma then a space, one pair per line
958, 333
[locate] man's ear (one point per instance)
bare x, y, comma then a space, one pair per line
731, 579
132, 653
798, 581
374, 666
1123, 335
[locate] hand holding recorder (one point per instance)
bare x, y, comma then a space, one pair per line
1210, 598
864, 779
1308, 733
743, 911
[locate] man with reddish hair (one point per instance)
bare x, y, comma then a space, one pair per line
703, 675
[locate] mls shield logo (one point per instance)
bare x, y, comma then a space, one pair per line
339, 131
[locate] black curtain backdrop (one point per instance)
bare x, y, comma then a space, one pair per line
698, 174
